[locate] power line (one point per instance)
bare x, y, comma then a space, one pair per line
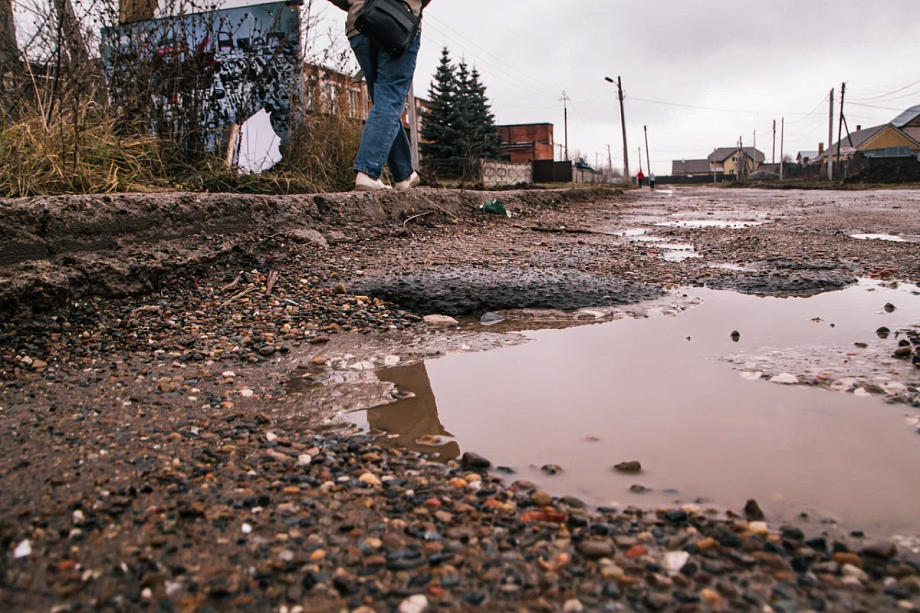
900, 89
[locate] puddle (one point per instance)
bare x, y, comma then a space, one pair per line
658, 391
887, 237
635, 232
709, 223
678, 256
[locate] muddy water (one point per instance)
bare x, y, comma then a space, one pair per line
701, 431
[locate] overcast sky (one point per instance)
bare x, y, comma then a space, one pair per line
756, 61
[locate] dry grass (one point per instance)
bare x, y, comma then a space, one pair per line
85, 150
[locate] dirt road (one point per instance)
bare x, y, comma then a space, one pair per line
176, 400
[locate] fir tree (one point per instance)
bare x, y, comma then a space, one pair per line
443, 141
485, 138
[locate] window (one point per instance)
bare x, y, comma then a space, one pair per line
354, 104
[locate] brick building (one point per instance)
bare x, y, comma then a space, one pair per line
527, 142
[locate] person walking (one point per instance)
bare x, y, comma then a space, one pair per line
384, 142
640, 177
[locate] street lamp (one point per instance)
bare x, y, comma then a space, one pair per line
619, 85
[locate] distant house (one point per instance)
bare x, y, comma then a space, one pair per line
878, 141
527, 142
909, 122
690, 168
731, 160
807, 157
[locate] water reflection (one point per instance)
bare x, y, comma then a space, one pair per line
414, 419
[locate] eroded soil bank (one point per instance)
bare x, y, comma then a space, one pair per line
158, 455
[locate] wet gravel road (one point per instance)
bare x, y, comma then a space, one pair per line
155, 459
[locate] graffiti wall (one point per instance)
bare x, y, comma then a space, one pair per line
213, 69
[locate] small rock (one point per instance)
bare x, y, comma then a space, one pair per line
785, 379
890, 308
675, 560
628, 467
639, 489
752, 511
849, 570
414, 604
304, 459
881, 549
23, 549
474, 460
843, 558
637, 551
391, 360
441, 321
902, 353
370, 479
759, 527
883, 332
267, 351
490, 319
594, 549
551, 469
341, 289
541, 498
573, 606
736, 336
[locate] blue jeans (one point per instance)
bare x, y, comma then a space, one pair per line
388, 82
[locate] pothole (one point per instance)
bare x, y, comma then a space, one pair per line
658, 391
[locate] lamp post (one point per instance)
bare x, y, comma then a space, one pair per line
619, 85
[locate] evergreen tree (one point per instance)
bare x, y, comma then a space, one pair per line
460, 126
443, 140
485, 138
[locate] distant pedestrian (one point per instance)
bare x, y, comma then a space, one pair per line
640, 177
389, 79
651, 180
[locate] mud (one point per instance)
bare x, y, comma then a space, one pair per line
459, 292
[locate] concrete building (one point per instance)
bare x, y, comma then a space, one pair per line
528, 142
731, 161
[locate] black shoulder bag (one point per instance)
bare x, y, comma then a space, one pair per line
390, 24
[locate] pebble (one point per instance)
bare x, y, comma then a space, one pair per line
414, 604
23, 549
785, 379
391, 360
573, 606
474, 460
541, 498
628, 467
441, 321
753, 511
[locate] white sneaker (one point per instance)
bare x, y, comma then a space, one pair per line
409, 183
366, 183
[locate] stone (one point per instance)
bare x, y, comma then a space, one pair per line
23, 549
267, 351
710, 596
628, 467
551, 469
637, 551
573, 606
305, 235
304, 459
370, 479
340, 289
759, 528
441, 321
752, 511
881, 549
843, 558
785, 379
594, 549
901, 353
639, 489
391, 360
490, 319
849, 570
474, 460
414, 604
541, 498
675, 560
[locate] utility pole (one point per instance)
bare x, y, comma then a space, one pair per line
843, 91
413, 128
640, 159
565, 106
830, 140
774, 142
782, 137
609, 159
623, 124
647, 157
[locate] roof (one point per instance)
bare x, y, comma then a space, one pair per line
858, 139
723, 153
689, 167
906, 117
811, 155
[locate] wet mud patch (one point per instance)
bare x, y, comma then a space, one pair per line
459, 292
785, 283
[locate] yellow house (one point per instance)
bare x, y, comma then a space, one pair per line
734, 161
882, 138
